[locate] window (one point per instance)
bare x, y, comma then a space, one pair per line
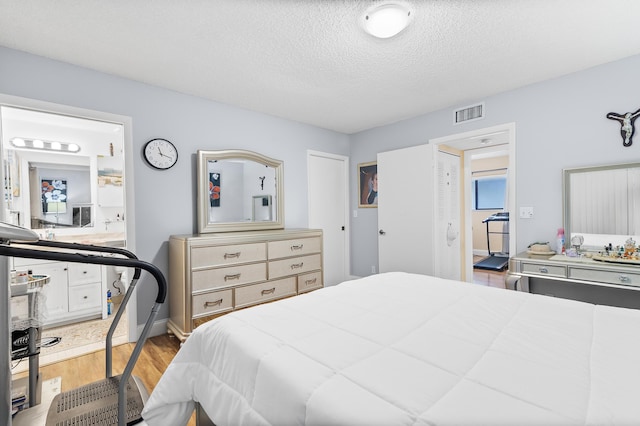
489, 193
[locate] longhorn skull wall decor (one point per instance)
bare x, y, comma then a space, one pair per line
627, 128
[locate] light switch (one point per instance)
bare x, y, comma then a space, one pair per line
526, 212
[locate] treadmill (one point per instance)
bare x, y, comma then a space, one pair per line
115, 400
496, 261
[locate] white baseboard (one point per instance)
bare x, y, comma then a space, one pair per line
480, 252
159, 327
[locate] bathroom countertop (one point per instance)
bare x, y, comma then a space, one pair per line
112, 239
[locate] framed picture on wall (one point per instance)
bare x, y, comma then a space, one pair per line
54, 196
368, 184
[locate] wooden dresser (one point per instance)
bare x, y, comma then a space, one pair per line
212, 274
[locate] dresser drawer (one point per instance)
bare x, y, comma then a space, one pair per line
541, 269
206, 279
611, 277
81, 273
294, 266
86, 296
264, 292
296, 247
227, 255
211, 303
308, 282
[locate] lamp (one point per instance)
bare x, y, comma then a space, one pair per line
40, 144
386, 20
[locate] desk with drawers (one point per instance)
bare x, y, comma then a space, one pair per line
212, 274
581, 279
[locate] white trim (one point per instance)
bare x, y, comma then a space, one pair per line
126, 122
347, 217
510, 128
158, 328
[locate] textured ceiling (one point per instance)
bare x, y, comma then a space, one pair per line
310, 61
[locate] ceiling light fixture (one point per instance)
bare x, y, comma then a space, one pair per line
386, 20
41, 145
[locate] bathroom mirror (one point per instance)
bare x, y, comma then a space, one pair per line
239, 191
602, 203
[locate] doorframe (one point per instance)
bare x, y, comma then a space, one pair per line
346, 217
510, 128
126, 122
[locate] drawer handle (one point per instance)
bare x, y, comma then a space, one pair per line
298, 247
624, 279
269, 291
310, 282
232, 255
297, 265
214, 303
84, 272
543, 270
232, 277
85, 297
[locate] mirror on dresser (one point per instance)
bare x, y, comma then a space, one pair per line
602, 204
239, 191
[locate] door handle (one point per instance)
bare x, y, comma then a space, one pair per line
381, 232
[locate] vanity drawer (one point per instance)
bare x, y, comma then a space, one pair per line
264, 292
81, 273
85, 296
308, 282
295, 265
542, 269
205, 279
296, 247
611, 277
211, 303
227, 255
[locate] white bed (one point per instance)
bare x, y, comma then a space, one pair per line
404, 349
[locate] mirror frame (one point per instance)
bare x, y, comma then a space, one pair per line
566, 190
204, 225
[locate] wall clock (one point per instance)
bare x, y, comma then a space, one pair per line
160, 154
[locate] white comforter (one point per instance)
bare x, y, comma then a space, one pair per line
403, 349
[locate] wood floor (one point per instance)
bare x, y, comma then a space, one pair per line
487, 277
158, 352
156, 355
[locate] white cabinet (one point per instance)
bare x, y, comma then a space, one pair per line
74, 292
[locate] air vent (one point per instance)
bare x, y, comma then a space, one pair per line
469, 113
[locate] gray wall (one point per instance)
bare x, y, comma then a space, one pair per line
560, 123
165, 200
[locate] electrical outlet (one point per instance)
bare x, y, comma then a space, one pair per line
373, 269
526, 212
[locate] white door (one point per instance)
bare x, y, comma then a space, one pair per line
405, 210
328, 210
447, 223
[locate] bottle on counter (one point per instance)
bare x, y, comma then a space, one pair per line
560, 241
109, 303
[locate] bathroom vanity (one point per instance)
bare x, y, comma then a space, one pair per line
76, 291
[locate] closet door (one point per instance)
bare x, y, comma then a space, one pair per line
406, 210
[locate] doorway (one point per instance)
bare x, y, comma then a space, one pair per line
65, 148
328, 184
471, 145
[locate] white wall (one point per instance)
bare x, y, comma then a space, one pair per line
559, 123
191, 123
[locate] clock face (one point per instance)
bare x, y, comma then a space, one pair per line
161, 154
